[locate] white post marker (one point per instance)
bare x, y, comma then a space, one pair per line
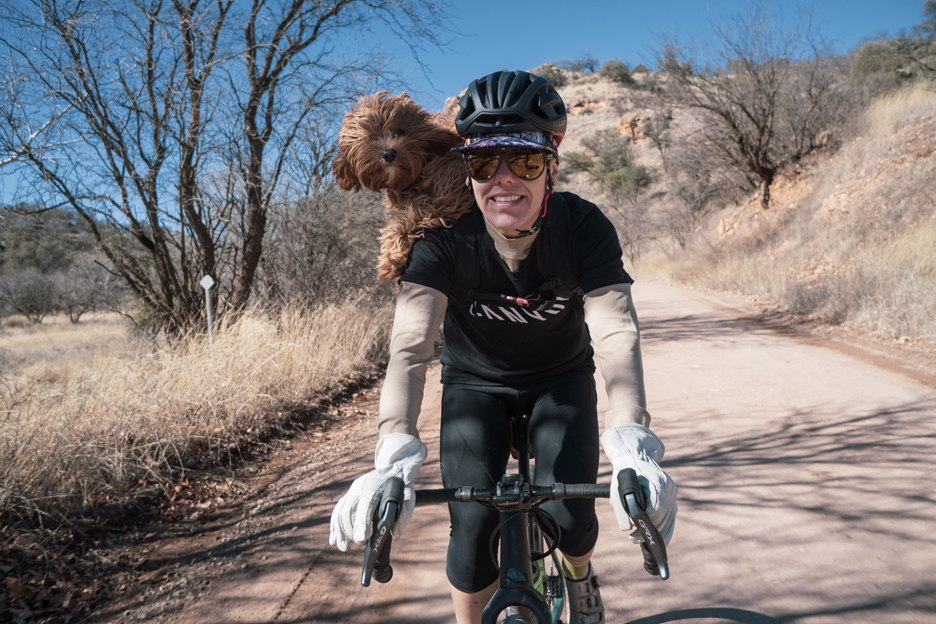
207, 283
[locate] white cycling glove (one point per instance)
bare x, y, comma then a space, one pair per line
635, 446
397, 455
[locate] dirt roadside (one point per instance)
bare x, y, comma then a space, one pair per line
180, 562
753, 408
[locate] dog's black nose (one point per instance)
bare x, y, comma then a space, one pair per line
389, 155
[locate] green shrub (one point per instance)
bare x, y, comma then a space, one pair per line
587, 63
552, 74
874, 57
616, 71
32, 237
887, 64
609, 164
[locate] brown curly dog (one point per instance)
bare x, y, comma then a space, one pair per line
390, 143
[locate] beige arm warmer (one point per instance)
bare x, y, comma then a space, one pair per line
612, 323
416, 321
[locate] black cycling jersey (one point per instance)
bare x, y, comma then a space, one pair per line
538, 334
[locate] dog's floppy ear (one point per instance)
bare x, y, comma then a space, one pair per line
443, 138
344, 174
444, 141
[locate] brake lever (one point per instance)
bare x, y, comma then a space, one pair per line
377, 553
653, 546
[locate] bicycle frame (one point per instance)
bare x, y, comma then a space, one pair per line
516, 587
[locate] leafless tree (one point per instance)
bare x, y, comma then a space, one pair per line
635, 226
587, 63
659, 132
86, 286
764, 93
178, 122
324, 247
29, 292
695, 186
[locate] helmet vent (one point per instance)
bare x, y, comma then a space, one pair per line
482, 91
498, 120
467, 107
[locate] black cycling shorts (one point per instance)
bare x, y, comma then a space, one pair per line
475, 449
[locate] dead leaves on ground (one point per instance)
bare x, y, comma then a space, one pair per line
43, 584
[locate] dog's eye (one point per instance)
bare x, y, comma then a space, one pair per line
399, 132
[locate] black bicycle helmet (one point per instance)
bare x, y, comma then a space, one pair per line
511, 101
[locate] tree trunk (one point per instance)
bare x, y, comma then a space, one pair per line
767, 178
765, 194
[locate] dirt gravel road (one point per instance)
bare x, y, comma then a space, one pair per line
805, 471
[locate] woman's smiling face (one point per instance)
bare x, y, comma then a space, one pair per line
510, 203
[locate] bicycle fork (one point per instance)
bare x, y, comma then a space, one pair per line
516, 580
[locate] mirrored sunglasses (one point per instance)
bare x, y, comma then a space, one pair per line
525, 163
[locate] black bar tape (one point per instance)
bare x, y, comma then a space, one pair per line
581, 490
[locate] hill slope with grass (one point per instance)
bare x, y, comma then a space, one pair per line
851, 235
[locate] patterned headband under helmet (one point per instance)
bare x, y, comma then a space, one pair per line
535, 140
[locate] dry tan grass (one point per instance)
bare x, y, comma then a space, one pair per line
66, 441
56, 347
892, 113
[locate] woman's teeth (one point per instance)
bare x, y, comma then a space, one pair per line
506, 199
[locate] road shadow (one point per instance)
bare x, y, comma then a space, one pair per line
847, 457
721, 614
802, 450
921, 601
822, 433
710, 327
718, 329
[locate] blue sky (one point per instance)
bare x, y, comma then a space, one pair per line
492, 35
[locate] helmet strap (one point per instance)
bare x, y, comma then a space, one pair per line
539, 220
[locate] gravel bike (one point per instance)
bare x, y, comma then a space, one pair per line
528, 535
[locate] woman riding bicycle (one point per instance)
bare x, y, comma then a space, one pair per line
531, 287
